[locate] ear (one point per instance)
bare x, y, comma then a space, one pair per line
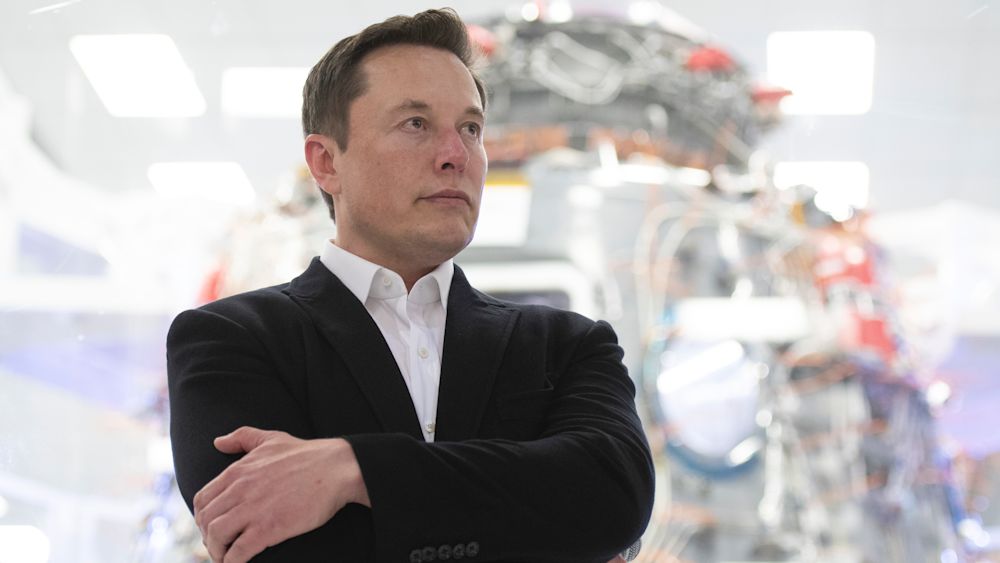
321, 154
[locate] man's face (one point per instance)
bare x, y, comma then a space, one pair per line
408, 187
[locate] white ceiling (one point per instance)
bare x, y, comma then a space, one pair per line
933, 131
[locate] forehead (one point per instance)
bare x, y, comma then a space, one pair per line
400, 72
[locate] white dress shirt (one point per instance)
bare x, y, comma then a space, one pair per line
412, 324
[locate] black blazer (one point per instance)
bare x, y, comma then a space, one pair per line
538, 454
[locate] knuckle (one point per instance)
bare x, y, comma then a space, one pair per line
220, 482
241, 486
214, 529
215, 553
235, 475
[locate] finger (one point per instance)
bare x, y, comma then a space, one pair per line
223, 503
222, 482
243, 439
212, 489
246, 546
234, 441
213, 553
220, 533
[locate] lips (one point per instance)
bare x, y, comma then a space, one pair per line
450, 194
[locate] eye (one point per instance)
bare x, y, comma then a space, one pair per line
415, 123
474, 129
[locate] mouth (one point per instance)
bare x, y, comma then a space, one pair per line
449, 196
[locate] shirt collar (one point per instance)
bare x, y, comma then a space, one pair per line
364, 278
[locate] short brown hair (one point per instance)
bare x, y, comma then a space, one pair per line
337, 80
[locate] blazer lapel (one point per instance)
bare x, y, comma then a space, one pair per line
475, 337
346, 324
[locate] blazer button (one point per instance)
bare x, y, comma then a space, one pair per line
415, 556
472, 549
444, 553
458, 552
429, 554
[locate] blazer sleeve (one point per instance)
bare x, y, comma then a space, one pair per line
221, 377
581, 492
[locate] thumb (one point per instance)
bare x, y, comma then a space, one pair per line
243, 439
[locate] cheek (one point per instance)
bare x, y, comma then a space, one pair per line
374, 185
483, 166
398, 166
482, 156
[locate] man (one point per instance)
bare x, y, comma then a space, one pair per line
377, 408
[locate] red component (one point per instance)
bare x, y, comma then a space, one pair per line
841, 261
482, 38
846, 271
874, 335
709, 58
861, 332
767, 94
211, 288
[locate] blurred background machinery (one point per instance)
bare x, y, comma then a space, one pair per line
792, 420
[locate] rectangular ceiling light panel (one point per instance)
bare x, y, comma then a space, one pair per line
263, 91
828, 72
138, 75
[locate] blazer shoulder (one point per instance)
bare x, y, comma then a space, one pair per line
263, 311
258, 301
545, 318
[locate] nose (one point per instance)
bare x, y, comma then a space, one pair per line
452, 152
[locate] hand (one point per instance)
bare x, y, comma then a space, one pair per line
618, 559
283, 487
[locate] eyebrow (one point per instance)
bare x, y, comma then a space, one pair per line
419, 105
409, 104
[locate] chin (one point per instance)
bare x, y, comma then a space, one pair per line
445, 248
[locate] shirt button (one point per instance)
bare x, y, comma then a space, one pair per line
422, 352
386, 281
430, 426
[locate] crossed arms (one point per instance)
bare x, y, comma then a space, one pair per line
579, 491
